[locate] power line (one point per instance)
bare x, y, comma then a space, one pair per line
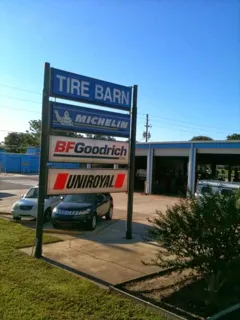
155, 116
193, 128
172, 121
25, 100
186, 122
19, 109
19, 89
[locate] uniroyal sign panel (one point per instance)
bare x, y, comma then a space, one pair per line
65, 181
65, 149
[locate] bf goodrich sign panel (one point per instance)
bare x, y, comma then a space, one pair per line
67, 181
64, 149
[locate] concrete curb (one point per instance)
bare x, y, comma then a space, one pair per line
225, 312
5, 213
145, 277
157, 309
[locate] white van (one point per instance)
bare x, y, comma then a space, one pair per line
220, 187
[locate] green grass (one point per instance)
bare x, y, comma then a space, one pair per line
33, 289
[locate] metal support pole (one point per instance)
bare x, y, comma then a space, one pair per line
229, 173
131, 174
43, 160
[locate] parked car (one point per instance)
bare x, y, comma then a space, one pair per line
216, 186
77, 209
27, 205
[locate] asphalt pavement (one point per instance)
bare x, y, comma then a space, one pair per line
12, 182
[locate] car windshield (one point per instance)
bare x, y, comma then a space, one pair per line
227, 192
32, 193
79, 198
206, 189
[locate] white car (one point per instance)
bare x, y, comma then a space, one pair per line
27, 205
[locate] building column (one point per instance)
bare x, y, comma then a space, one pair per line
213, 169
89, 165
191, 170
148, 185
229, 173
115, 166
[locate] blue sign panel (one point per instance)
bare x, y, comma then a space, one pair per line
76, 87
86, 120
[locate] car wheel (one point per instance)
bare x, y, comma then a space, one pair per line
54, 224
47, 215
17, 218
109, 214
93, 222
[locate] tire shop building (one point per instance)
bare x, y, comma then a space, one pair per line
173, 167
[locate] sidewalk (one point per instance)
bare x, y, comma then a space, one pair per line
105, 257
5, 174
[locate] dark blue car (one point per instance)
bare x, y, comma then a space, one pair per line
80, 209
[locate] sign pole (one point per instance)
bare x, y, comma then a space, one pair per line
43, 160
131, 175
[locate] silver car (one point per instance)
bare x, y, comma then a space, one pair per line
217, 187
27, 205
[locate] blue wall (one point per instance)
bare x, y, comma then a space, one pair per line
27, 163
19, 163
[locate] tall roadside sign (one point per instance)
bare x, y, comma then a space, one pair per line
74, 118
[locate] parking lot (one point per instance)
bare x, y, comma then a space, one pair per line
94, 253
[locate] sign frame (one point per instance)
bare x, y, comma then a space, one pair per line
130, 107
82, 150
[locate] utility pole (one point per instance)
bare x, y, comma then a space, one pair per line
147, 134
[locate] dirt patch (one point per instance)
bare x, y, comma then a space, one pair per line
184, 292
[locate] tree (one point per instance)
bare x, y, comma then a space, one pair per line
67, 134
2, 148
201, 138
16, 142
201, 234
234, 136
99, 137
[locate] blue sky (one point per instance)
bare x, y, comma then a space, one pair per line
184, 55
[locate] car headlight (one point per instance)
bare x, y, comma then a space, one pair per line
15, 206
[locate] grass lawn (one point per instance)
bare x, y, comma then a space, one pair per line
33, 289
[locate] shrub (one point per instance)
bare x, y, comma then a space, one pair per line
199, 234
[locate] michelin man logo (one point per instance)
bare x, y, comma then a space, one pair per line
65, 120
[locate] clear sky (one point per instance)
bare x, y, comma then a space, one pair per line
183, 54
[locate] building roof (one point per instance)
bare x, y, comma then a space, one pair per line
216, 144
